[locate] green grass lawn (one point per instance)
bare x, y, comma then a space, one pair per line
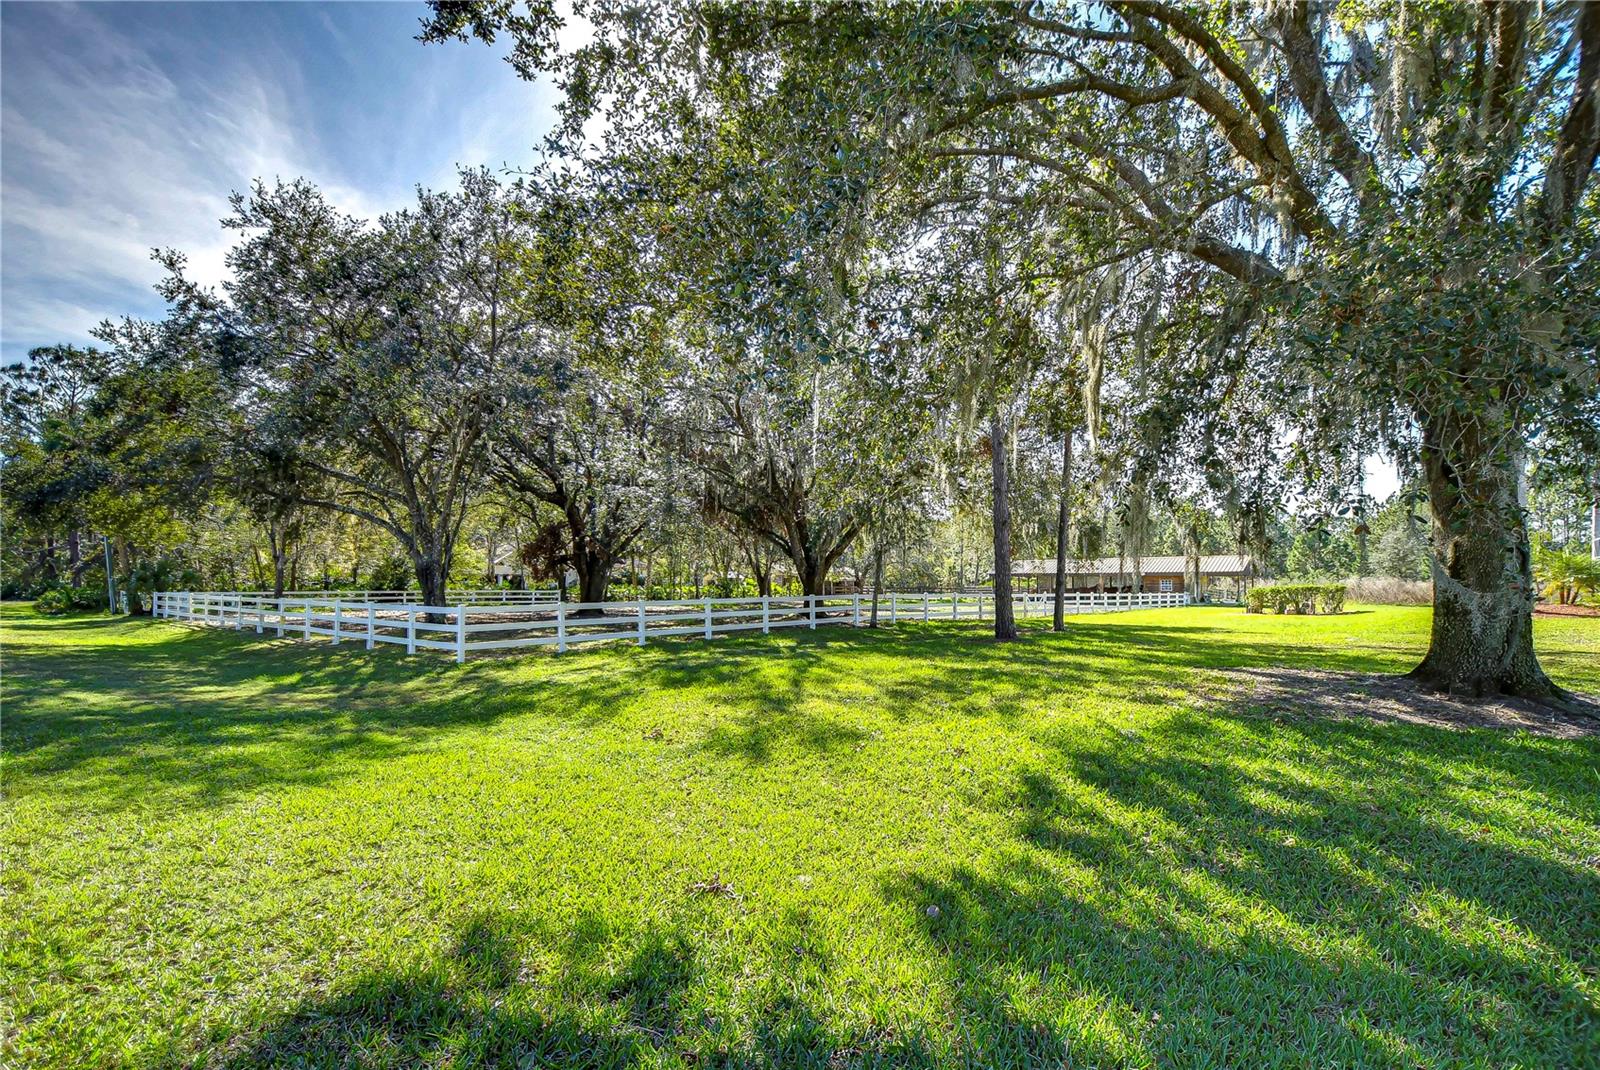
839, 848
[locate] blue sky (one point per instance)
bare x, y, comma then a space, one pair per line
124, 127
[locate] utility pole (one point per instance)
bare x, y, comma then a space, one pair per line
1594, 527
111, 583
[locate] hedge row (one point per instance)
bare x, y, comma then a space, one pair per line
1295, 598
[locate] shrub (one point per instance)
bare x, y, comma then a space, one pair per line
60, 598
1389, 590
1295, 598
53, 602
1565, 575
160, 574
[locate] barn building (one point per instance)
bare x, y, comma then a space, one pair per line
1222, 576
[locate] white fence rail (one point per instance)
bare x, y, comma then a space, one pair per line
487, 596
468, 627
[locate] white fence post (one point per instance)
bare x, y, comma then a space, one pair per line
461, 633
924, 607
708, 618
307, 633
411, 631
813, 601
372, 624
955, 605
561, 627
894, 604
641, 621
338, 619
980, 607
766, 614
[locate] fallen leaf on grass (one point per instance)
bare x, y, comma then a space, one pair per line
714, 886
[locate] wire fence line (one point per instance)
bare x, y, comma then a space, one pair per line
471, 627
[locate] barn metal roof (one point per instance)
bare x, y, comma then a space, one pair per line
1210, 564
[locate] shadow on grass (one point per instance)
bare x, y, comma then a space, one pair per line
506, 995
1213, 888
209, 714
1151, 903
1193, 911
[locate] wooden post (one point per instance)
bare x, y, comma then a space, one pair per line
372, 624
766, 615
812, 599
855, 610
708, 618
561, 627
924, 607
894, 605
461, 633
338, 620
641, 621
411, 631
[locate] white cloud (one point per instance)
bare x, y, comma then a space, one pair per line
116, 143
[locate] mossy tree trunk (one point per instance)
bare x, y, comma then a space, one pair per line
1483, 587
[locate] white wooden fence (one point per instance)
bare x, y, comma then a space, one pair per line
487, 596
466, 627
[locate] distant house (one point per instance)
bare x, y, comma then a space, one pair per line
1221, 575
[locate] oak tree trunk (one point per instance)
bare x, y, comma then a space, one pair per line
594, 576
1059, 623
432, 566
278, 542
809, 568
1483, 588
877, 582
1005, 627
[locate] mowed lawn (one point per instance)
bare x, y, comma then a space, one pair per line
839, 848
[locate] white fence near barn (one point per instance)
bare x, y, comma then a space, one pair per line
487, 596
475, 627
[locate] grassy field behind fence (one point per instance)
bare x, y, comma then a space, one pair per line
837, 847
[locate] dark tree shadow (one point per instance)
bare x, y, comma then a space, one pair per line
1205, 904
505, 994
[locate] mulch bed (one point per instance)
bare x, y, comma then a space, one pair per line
1365, 696
1551, 609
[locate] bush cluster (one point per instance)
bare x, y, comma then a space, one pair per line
1388, 591
1295, 598
53, 601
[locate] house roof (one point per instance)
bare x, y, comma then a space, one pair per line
1210, 564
